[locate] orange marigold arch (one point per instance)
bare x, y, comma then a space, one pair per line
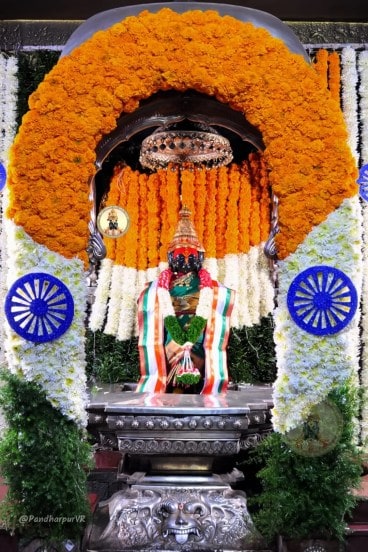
52, 159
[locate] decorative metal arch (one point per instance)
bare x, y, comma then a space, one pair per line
174, 107
164, 110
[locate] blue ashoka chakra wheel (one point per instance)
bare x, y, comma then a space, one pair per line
2, 176
322, 300
363, 182
39, 307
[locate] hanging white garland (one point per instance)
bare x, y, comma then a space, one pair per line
8, 124
349, 81
128, 305
231, 281
349, 101
245, 318
115, 310
8, 97
101, 296
363, 93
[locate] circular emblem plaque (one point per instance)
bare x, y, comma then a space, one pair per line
113, 221
319, 433
39, 307
322, 300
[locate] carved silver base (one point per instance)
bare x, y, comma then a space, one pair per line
177, 472
174, 518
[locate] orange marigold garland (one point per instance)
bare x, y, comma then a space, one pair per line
153, 212
81, 98
143, 224
334, 75
244, 208
164, 221
265, 200
232, 228
187, 180
222, 195
131, 244
200, 202
255, 213
321, 66
172, 200
211, 214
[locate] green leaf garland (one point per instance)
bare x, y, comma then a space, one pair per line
180, 336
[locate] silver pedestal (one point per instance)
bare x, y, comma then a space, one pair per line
178, 472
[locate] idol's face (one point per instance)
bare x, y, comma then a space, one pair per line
185, 259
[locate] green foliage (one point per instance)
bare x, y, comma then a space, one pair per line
308, 497
251, 353
44, 460
110, 360
32, 68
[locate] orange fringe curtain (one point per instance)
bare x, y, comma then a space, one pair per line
230, 209
334, 75
255, 215
327, 65
164, 219
143, 224
200, 202
221, 219
154, 220
211, 215
232, 227
244, 208
321, 65
172, 199
187, 179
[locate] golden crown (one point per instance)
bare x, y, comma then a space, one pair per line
185, 233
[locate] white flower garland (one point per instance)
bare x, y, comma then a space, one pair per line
231, 281
349, 81
310, 366
245, 318
8, 111
118, 289
363, 93
151, 274
101, 297
113, 312
128, 305
255, 294
57, 366
8, 97
211, 265
204, 305
349, 100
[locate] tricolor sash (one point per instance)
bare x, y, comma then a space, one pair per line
153, 361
